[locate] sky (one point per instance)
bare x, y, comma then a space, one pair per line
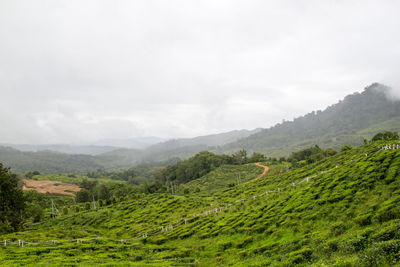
78, 71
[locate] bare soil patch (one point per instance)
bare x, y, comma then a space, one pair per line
266, 168
51, 187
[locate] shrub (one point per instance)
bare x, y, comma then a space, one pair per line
300, 256
65, 211
224, 245
363, 220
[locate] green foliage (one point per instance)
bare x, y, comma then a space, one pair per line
346, 147
11, 198
386, 136
65, 211
30, 174
34, 211
198, 166
345, 216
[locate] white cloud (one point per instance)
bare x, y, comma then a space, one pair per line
73, 71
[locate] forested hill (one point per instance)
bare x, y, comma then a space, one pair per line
358, 116
207, 140
46, 161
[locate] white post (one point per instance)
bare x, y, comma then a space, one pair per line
22, 243
5, 243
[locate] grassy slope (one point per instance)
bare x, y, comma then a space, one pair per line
349, 216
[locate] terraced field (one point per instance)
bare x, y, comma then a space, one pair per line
341, 211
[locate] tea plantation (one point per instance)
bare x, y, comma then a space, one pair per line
341, 211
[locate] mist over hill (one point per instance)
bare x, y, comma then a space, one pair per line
357, 116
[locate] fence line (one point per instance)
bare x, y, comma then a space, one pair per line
184, 221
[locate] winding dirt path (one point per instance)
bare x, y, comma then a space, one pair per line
266, 168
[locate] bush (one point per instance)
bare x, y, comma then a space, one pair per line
346, 147
65, 211
35, 212
300, 256
363, 220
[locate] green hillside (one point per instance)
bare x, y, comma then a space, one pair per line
340, 211
358, 116
46, 161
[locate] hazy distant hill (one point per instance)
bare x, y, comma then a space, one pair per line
56, 162
46, 161
95, 148
182, 148
207, 140
135, 142
359, 115
64, 148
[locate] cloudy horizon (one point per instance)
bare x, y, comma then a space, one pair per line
80, 71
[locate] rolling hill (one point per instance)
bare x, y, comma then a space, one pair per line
340, 211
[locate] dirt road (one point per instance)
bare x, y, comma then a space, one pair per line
266, 168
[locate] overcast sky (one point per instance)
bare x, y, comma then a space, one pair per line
78, 70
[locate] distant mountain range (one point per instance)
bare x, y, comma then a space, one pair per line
63, 158
64, 148
95, 148
357, 116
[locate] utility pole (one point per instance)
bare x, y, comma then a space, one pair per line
238, 180
54, 209
172, 188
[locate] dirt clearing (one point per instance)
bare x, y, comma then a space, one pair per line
51, 187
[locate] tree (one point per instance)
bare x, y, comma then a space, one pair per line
386, 136
257, 157
30, 174
11, 199
240, 157
34, 211
83, 196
